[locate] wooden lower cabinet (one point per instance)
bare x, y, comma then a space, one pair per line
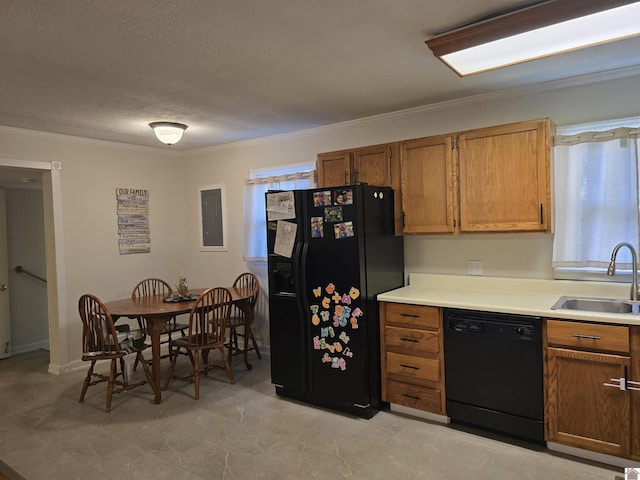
581, 410
634, 376
586, 408
412, 356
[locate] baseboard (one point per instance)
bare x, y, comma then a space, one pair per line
30, 347
593, 456
413, 412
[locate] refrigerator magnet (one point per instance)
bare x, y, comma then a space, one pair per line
354, 293
317, 228
330, 288
322, 199
343, 230
343, 197
332, 214
317, 292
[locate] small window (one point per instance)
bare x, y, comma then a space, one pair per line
213, 231
596, 195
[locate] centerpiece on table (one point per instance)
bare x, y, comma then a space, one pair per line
182, 287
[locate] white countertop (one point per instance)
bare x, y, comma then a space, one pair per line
523, 296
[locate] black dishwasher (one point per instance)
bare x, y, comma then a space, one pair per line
493, 372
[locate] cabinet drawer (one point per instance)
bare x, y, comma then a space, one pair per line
419, 368
428, 399
412, 340
588, 336
415, 315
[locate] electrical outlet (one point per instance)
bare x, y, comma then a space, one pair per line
474, 267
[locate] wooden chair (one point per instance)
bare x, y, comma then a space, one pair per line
157, 286
242, 317
100, 342
207, 324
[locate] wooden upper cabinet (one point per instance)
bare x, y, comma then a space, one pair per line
372, 165
334, 169
504, 175
428, 185
375, 165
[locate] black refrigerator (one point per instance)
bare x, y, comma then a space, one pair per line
331, 251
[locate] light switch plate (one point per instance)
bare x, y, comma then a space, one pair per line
474, 267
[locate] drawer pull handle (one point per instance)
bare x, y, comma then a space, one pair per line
589, 337
621, 383
413, 397
412, 315
409, 340
409, 366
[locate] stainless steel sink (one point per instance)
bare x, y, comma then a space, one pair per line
600, 305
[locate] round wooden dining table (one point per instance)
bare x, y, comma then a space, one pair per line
157, 312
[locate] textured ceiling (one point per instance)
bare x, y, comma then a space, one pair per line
240, 69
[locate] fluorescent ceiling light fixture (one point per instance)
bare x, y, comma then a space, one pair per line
539, 31
168, 133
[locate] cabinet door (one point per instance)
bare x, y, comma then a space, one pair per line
581, 410
505, 178
428, 185
634, 375
334, 169
380, 165
372, 165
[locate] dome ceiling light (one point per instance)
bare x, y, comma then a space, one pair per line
168, 133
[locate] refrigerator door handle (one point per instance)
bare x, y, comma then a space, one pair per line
302, 268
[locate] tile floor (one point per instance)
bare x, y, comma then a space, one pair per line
241, 431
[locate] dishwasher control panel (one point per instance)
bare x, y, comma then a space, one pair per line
497, 326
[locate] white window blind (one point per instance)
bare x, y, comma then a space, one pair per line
288, 177
596, 196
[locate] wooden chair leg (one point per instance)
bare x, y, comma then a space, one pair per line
172, 366
205, 362
87, 381
112, 378
147, 370
232, 334
255, 344
227, 365
196, 374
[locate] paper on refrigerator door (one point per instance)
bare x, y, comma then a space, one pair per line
285, 238
281, 206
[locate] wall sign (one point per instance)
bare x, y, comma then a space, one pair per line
133, 220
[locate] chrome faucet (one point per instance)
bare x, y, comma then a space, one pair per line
634, 259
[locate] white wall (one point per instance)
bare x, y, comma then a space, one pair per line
91, 171
502, 255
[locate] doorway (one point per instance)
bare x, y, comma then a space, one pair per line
41, 176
